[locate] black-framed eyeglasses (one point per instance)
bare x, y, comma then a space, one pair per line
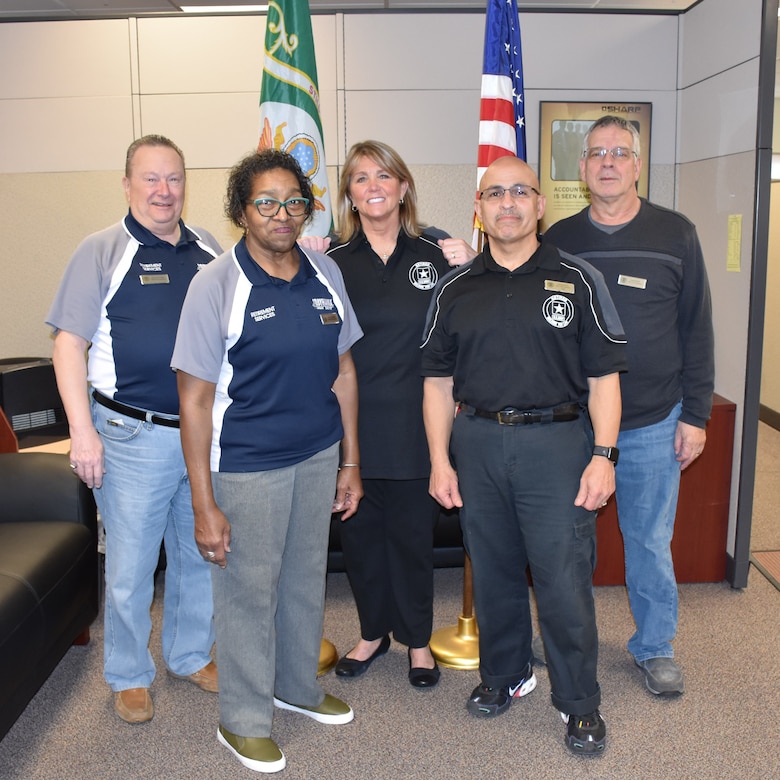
516, 192
270, 207
616, 153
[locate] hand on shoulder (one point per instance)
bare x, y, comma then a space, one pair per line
456, 251
315, 243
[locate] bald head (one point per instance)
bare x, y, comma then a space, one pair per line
509, 206
511, 167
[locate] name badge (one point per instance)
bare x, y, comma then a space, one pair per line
564, 287
632, 281
154, 279
331, 318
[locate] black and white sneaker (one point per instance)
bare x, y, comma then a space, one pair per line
586, 735
487, 702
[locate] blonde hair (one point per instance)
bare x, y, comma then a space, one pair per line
388, 159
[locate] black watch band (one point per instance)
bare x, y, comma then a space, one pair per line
610, 453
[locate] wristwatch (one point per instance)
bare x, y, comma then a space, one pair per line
611, 453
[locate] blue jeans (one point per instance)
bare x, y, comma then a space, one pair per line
648, 481
145, 499
270, 599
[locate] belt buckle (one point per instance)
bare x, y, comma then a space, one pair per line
510, 417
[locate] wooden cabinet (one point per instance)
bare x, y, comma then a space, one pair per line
699, 543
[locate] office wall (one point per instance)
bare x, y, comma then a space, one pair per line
770, 373
88, 88
718, 105
770, 365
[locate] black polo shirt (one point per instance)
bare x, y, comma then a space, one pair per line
391, 300
527, 338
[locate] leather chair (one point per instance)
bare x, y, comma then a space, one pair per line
447, 542
49, 573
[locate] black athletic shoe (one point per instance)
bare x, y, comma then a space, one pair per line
487, 702
585, 734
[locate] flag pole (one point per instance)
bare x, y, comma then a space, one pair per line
290, 121
501, 133
457, 647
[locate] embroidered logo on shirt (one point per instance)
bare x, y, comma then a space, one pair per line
558, 311
263, 314
322, 304
151, 267
423, 275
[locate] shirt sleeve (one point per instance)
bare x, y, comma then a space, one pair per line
81, 295
696, 338
201, 335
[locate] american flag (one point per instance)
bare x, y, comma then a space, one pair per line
501, 112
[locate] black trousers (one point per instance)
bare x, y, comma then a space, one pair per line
518, 484
388, 554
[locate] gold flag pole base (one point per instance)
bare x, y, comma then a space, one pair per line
328, 657
457, 647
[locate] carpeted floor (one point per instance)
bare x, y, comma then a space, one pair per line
723, 728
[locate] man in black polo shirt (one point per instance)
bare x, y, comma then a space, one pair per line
518, 343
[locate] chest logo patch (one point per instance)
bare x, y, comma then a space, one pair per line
263, 314
423, 275
558, 311
323, 304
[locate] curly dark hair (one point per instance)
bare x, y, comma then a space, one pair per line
242, 177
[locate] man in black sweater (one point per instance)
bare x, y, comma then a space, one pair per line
653, 265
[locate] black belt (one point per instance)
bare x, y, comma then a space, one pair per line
131, 411
563, 413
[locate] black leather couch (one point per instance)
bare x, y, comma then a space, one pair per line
447, 542
48, 572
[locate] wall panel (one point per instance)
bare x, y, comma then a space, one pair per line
718, 114
64, 59
423, 126
64, 134
714, 41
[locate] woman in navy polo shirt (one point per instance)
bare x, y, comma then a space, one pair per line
268, 395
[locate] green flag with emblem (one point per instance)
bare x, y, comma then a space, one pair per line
290, 101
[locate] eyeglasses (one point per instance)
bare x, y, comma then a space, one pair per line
516, 192
270, 207
616, 153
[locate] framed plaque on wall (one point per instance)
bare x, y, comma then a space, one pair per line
561, 134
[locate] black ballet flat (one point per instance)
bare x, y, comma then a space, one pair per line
351, 667
420, 677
